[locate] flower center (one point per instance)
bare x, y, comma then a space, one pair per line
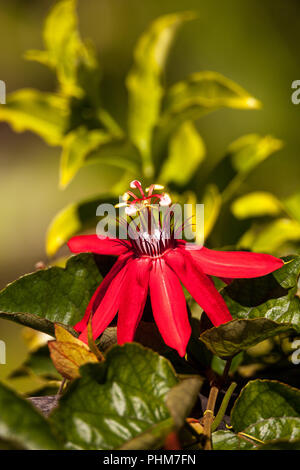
151, 227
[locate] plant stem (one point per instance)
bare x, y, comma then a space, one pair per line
208, 417
223, 406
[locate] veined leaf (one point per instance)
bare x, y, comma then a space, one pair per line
270, 237
263, 399
256, 204
144, 81
179, 400
69, 353
117, 400
272, 296
238, 335
203, 92
73, 219
281, 444
186, 152
51, 295
43, 113
21, 426
263, 431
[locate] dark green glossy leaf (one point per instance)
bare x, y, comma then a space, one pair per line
179, 400
263, 399
266, 430
116, 401
21, 426
73, 219
271, 296
227, 440
281, 444
51, 295
238, 335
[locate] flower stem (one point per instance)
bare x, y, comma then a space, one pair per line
208, 417
223, 406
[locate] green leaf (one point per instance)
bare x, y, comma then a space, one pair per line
36, 111
238, 335
212, 201
272, 296
21, 426
263, 399
76, 146
64, 49
256, 204
227, 440
281, 444
117, 400
51, 295
117, 152
203, 92
38, 363
272, 236
73, 219
179, 400
292, 205
263, 431
185, 141
242, 157
144, 81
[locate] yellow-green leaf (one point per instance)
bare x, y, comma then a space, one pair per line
212, 201
242, 157
292, 205
250, 150
270, 237
76, 146
186, 152
203, 92
256, 204
43, 113
73, 219
144, 81
69, 353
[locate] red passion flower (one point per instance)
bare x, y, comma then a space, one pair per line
155, 263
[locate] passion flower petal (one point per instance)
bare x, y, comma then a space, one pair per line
169, 306
199, 286
98, 245
133, 299
234, 264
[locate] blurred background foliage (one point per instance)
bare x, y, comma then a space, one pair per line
252, 43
